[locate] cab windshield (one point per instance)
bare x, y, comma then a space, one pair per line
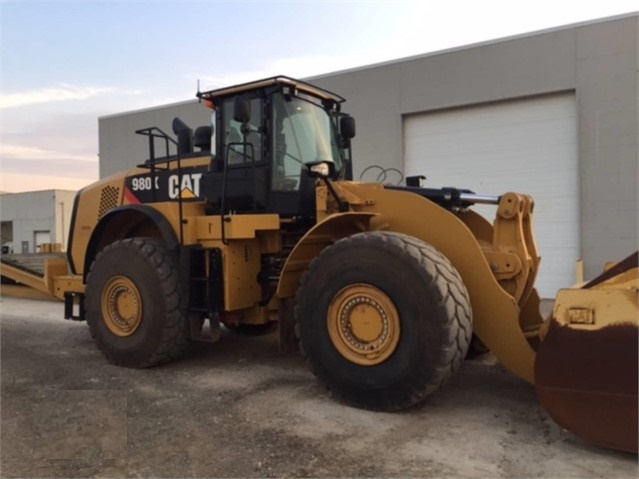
303, 132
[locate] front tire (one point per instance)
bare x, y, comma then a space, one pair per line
384, 319
133, 303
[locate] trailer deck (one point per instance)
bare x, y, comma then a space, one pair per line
25, 274
32, 263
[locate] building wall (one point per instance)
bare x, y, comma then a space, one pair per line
121, 148
597, 61
48, 210
63, 210
607, 75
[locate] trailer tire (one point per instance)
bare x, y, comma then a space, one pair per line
384, 319
134, 304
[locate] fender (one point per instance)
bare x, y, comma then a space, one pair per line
140, 211
74, 215
323, 234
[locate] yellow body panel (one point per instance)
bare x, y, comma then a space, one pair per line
241, 227
241, 266
67, 284
95, 201
101, 197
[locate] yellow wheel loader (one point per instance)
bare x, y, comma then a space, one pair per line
254, 221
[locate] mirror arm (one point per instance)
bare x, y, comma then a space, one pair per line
342, 205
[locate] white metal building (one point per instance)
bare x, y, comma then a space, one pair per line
551, 113
32, 218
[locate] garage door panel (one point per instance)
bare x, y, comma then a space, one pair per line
512, 143
500, 152
545, 111
466, 130
529, 146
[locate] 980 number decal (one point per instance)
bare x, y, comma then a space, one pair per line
144, 183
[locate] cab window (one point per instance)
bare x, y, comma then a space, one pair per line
243, 142
302, 133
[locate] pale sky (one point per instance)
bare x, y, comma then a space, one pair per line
64, 64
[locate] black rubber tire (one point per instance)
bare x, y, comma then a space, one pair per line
250, 329
432, 303
162, 335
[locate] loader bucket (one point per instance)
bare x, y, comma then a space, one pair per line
586, 365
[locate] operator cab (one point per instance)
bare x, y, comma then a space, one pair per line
267, 133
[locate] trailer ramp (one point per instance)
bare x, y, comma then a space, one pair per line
37, 271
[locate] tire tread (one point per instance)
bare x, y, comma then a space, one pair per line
452, 295
174, 340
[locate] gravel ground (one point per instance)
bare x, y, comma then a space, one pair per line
239, 408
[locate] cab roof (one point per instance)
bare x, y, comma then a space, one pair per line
266, 82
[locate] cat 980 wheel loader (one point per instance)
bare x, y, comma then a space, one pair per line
381, 286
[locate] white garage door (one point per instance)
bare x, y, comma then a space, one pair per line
527, 146
39, 238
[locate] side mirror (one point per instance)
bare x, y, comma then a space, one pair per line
321, 169
241, 109
347, 127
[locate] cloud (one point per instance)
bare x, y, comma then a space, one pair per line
17, 182
59, 167
62, 92
22, 153
27, 168
49, 137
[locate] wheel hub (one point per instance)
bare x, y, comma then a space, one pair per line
363, 324
121, 306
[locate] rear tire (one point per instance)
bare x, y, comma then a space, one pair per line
133, 303
384, 319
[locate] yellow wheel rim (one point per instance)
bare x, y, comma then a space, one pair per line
363, 324
121, 306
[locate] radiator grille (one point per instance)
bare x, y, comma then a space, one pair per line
108, 200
